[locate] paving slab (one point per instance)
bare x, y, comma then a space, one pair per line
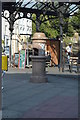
56, 99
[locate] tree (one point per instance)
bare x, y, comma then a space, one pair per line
49, 31
75, 22
66, 39
51, 27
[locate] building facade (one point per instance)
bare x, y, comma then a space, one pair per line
22, 30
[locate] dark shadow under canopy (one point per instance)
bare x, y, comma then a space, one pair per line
45, 8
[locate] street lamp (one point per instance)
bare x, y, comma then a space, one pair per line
11, 30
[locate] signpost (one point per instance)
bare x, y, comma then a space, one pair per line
22, 59
16, 59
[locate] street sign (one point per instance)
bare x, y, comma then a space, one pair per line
22, 59
7, 50
16, 59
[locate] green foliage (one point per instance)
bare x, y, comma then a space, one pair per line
75, 22
33, 28
33, 24
70, 31
67, 40
52, 29
34, 16
48, 30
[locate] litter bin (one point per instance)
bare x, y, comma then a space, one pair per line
4, 62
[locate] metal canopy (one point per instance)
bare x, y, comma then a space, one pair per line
47, 8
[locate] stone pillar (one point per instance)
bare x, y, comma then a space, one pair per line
39, 60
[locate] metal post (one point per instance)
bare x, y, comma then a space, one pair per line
78, 80
10, 56
78, 64
0, 59
61, 40
11, 28
27, 54
37, 23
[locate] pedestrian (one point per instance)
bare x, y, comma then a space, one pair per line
49, 57
68, 52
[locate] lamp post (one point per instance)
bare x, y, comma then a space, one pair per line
11, 30
61, 40
27, 54
60, 15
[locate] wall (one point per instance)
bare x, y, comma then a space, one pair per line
53, 46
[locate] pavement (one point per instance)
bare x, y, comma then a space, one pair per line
58, 98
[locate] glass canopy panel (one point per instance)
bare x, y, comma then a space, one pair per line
34, 4
73, 9
28, 3
40, 4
